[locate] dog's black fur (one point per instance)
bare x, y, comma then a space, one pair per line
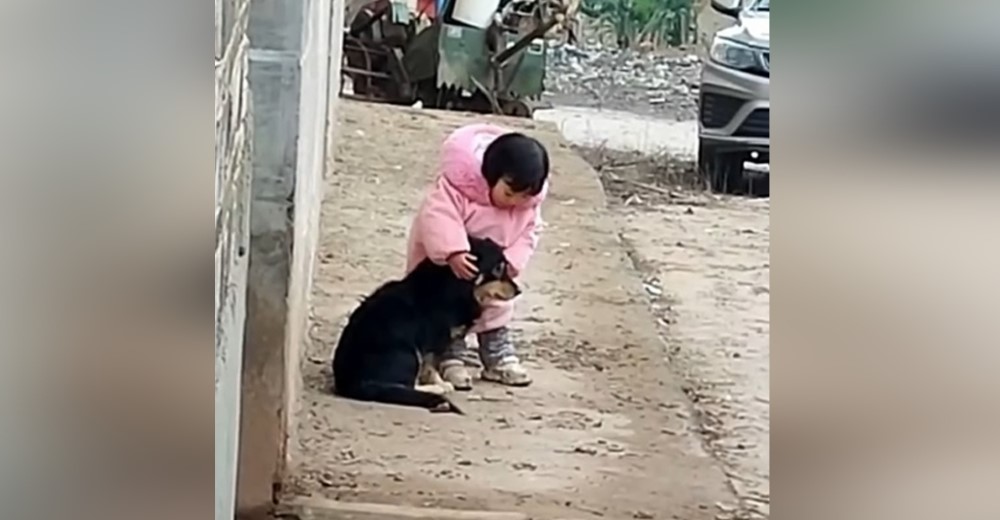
378, 357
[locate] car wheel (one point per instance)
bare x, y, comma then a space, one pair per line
758, 184
722, 171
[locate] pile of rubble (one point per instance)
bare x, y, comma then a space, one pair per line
643, 82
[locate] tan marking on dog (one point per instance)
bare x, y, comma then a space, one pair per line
429, 375
427, 366
420, 371
437, 389
498, 290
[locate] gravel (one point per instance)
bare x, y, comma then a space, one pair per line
599, 77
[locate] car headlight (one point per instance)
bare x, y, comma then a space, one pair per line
733, 54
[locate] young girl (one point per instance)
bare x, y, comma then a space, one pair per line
491, 185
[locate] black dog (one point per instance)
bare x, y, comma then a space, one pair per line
392, 338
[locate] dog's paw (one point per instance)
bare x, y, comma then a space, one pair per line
444, 407
446, 387
430, 389
447, 406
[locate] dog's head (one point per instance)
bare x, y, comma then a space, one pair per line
494, 282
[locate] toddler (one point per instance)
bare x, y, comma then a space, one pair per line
491, 185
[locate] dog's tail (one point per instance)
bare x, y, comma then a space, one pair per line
390, 393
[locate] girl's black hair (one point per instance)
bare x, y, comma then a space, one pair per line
520, 160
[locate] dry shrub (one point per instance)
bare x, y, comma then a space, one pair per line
628, 176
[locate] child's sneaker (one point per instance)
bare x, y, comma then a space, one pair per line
454, 372
508, 371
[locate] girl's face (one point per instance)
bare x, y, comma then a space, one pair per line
503, 196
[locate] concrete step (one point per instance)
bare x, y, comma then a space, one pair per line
316, 508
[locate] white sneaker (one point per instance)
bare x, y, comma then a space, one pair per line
508, 371
453, 371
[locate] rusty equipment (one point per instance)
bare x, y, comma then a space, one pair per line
410, 51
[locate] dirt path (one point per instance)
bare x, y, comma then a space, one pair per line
706, 267
605, 432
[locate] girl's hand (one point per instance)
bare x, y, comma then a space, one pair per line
463, 265
512, 271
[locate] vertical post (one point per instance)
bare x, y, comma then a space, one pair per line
290, 77
276, 28
315, 105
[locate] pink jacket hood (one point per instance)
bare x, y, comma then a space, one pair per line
462, 162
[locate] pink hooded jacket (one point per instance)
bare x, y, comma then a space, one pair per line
459, 205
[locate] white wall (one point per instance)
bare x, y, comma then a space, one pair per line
232, 191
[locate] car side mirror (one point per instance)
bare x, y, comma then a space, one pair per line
729, 8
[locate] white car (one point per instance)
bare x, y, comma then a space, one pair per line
734, 115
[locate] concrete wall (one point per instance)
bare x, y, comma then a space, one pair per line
232, 211
294, 44
317, 130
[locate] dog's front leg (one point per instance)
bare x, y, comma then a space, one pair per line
430, 379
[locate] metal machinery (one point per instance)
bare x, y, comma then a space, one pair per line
476, 55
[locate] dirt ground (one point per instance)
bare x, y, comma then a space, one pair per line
705, 263
606, 431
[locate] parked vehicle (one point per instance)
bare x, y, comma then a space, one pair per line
735, 99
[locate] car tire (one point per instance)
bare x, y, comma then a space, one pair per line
722, 171
758, 185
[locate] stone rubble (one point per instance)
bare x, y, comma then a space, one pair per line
595, 76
